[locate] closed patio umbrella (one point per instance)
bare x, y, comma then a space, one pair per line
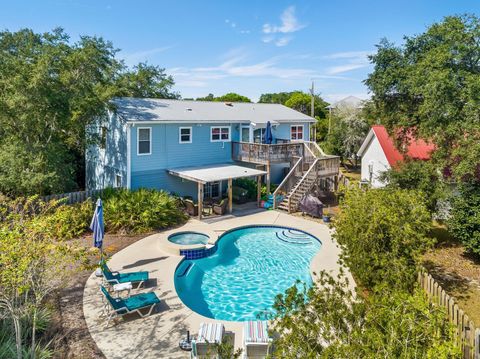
97, 226
267, 137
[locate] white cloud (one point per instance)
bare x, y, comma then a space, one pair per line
134, 58
283, 41
352, 60
289, 23
267, 39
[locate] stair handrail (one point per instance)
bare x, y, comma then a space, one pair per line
314, 165
305, 145
317, 147
287, 177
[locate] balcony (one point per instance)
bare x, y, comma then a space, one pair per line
263, 154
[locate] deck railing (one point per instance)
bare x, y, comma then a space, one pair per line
262, 154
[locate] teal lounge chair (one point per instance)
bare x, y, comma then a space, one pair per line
116, 277
120, 307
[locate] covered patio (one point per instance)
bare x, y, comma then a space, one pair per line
216, 173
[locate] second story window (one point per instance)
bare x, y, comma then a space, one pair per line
103, 137
296, 133
144, 139
185, 135
218, 134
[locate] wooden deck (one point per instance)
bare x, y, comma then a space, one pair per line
260, 153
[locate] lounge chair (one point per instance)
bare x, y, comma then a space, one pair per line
192, 208
120, 307
115, 277
208, 334
256, 342
221, 207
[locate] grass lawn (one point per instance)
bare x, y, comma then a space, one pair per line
457, 272
351, 173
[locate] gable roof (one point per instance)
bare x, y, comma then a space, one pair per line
350, 101
162, 110
418, 149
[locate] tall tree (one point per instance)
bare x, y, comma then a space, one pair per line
145, 81
431, 85
50, 89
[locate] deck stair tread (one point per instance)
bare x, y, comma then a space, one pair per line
285, 236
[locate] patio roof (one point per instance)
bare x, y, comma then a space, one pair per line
213, 173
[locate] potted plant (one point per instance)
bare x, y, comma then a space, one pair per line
326, 215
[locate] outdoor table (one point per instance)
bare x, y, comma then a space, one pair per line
121, 287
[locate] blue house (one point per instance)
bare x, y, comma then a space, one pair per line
157, 143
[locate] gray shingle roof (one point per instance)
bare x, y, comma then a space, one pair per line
350, 101
141, 109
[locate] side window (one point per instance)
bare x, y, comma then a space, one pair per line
144, 139
185, 135
103, 137
218, 134
296, 133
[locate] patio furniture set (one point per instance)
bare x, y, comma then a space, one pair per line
256, 342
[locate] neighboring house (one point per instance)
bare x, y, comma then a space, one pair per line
153, 142
347, 102
379, 154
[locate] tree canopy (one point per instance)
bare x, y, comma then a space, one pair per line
430, 85
297, 100
51, 88
229, 97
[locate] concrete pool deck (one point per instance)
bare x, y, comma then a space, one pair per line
157, 336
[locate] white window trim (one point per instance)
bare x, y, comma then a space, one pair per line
138, 141
303, 133
180, 134
117, 176
220, 139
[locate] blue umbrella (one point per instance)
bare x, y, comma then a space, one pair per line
267, 137
97, 225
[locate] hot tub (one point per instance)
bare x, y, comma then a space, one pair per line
188, 238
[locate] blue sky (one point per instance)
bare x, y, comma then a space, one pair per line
249, 47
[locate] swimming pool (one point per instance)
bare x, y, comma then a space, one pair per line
250, 267
186, 238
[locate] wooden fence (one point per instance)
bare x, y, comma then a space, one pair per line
74, 197
468, 335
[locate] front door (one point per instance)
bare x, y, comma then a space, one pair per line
245, 134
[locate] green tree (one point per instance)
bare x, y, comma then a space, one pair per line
209, 97
430, 86
421, 176
348, 131
328, 320
145, 81
51, 89
279, 97
382, 234
229, 97
301, 102
464, 221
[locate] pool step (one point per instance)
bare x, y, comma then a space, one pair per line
294, 237
187, 270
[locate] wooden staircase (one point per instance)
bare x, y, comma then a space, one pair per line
303, 186
304, 175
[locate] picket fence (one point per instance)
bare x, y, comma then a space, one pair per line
74, 197
468, 335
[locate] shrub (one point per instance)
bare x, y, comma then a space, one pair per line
140, 211
383, 233
464, 221
329, 321
248, 184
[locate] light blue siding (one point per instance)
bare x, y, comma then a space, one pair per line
167, 153
103, 165
282, 131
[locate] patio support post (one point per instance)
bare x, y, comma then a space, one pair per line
259, 189
230, 196
268, 177
200, 200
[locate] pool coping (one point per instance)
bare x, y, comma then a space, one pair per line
157, 336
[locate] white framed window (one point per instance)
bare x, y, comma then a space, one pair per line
185, 135
296, 133
258, 135
212, 189
220, 134
144, 141
103, 137
118, 181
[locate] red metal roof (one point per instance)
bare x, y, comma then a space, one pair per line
417, 149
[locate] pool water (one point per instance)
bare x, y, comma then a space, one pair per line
188, 238
251, 266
